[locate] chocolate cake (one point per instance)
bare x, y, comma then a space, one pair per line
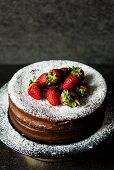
40, 121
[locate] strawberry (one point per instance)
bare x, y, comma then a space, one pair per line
73, 92
51, 78
35, 91
65, 70
62, 85
53, 96
82, 89
42, 79
68, 99
70, 81
54, 77
77, 71
57, 73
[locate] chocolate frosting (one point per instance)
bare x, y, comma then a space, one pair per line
48, 131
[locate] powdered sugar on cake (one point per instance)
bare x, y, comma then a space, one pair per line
18, 85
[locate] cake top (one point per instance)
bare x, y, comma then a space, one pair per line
18, 85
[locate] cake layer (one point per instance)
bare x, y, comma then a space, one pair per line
43, 130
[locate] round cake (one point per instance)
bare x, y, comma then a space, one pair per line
42, 122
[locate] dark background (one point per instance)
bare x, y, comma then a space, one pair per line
35, 30
79, 30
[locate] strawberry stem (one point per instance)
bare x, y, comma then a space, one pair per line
69, 100
52, 79
32, 81
76, 71
81, 91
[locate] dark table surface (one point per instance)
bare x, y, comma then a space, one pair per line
99, 158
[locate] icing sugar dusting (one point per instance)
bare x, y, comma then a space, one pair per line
18, 142
18, 85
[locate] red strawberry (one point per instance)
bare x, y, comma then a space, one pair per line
53, 96
35, 91
57, 73
73, 93
82, 89
67, 98
42, 79
50, 79
65, 70
77, 71
70, 82
54, 77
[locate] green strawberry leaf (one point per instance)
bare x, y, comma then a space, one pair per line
76, 71
32, 81
82, 91
69, 100
52, 79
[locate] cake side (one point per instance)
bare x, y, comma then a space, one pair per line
55, 132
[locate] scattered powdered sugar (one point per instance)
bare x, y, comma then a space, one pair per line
18, 85
18, 142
